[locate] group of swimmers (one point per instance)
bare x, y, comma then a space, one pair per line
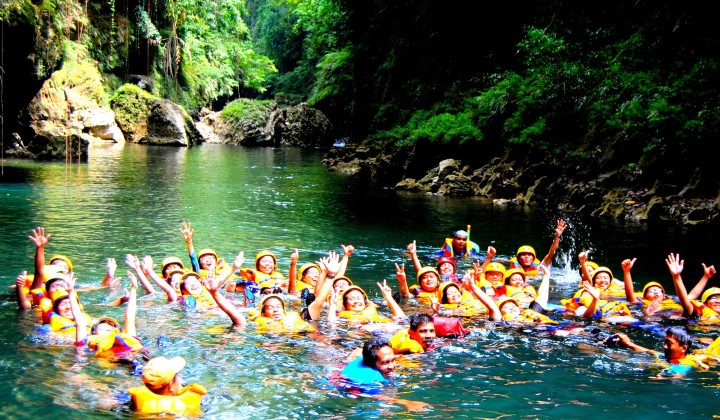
443, 296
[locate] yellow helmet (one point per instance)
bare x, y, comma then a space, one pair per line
526, 248
651, 284
337, 279
427, 269
170, 260
62, 258
305, 267
495, 266
207, 251
265, 253
512, 271
709, 293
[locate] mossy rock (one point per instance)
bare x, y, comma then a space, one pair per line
131, 104
243, 109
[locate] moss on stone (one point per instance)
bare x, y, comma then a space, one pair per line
130, 104
247, 109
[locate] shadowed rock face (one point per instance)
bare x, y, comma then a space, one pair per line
168, 124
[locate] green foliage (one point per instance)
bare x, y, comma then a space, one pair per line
243, 109
130, 104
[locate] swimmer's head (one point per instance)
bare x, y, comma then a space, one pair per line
272, 306
653, 290
207, 258
63, 262
602, 277
171, 263
428, 278
515, 277
446, 265
354, 299
265, 261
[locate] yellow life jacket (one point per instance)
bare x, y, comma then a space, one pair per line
666, 304
524, 296
204, 301
528, 316
713, 349
186, 402
424, 297
263, 279
369, 314
292, 322
114, 341
705, 314
401, 343
468, 306
531, 271
61, 324
603, 309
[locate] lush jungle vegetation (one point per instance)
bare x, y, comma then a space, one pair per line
546, 78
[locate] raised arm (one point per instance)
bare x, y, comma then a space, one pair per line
347, 252
22, 300
147, 267
412, 249
292, 274
543, 292
188, 232
708, 273
110, 280
676, 265
559, 229
491, 251
131, 308
402, 280
470, 285
329, 267
585, 274
627, 265
387, 294
133, 262
213, 284
595, 293
80, 324
39, 238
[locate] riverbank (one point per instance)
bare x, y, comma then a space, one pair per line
597, 185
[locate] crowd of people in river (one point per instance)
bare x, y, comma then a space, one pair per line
442, 297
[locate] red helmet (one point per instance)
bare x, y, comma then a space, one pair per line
444, 260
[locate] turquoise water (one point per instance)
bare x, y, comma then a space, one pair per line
132, 199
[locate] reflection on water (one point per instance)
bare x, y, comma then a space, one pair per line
132, 199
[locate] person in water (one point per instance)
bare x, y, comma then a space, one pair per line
707, 309
511, 311
416, 339
674, 357
307, 276
206, 262
653, 297
106, 338
163, 391
526, 259
427, 289
459, 245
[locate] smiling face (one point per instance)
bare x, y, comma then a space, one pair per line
207, 261
429, 282
510, 308
57, 285
453, 294
516, 280
494, 277
273, 308
385, 361
311, 276
103, 328
354, 301
64, 267
64, 309
446, 268
713, 302
602, 280
174, 281
192, 285
266, 264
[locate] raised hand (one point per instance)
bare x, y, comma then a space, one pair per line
400, 271
412, 247
385, 289
240, 259
709, 271
294, 257
133, 279
348, 250
583, 256
132, 261
147, 264
628, 264
560, 228
39, 238
331, 263
491, 252
187, 231
675, 264
588, 287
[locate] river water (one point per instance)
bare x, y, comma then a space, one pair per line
133, 199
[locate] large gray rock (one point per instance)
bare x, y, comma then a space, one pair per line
168, 124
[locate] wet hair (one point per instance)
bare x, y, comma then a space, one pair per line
681, 334
419, 319
370, 348
445, 292
267, 290
51, 281
282, 303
